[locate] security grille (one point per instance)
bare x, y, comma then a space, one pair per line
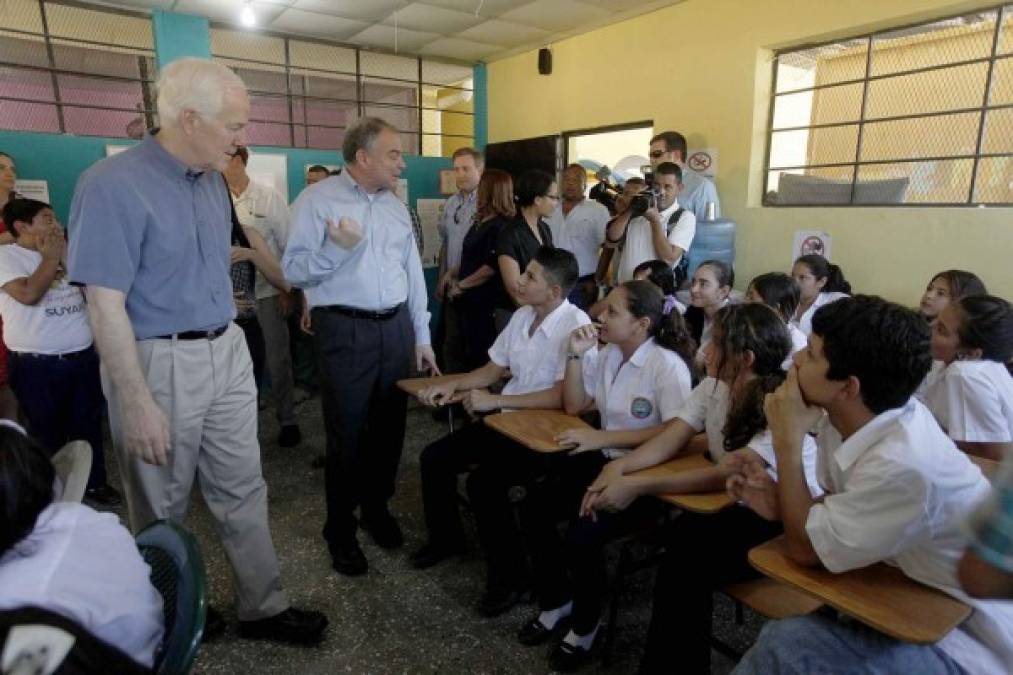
920, 115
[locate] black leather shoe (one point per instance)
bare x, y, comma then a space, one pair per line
431, 554
294, 626
214, 625
566, 657
289, 436
499, 599
349, 560
103, 495
535, 633
382, 528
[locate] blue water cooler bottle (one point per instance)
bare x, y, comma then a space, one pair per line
714, 240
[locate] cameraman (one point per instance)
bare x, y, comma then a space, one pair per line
653, 226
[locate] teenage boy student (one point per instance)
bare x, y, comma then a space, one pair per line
532, 348
54, 369
897, 491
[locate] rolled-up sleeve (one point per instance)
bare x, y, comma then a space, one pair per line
105, 236
310, 255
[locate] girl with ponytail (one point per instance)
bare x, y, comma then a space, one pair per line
743, 357
637, 383
970, 387
819, 282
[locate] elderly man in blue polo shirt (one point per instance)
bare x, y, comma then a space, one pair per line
150, 232
351, 248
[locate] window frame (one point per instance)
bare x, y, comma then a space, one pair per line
1004, 12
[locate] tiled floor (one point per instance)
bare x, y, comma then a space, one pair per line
395, 619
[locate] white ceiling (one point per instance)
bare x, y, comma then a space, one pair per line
464, 30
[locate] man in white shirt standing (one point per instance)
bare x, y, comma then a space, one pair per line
664, 232
263, 208
578, 225
458, 215
670, 146
897, 491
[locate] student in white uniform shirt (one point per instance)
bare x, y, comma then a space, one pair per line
819, 282
897, 491
68, 559
664, 232
970, 390
709, 292
638, 383
532, 348
578, 225
945, 287
744, 356
780, 292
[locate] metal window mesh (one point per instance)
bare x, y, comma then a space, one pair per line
917, 115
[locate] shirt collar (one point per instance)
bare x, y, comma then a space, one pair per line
639, 357
554, 317
151, 147
345, 177
849, 451
673, 207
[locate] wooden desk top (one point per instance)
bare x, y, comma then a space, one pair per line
879, 596
704, 502
535, 429
413, 385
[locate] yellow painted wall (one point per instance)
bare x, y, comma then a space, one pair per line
703, 67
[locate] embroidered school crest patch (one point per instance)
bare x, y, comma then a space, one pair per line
641, 408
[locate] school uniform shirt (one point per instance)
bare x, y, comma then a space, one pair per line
639, 244
85, 566
537, 361
647, 390
898, 491
706, 410
805, 322
56, 324
581, 232
799, 341
971, 400
263, 208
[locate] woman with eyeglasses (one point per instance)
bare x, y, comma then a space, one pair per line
536, 195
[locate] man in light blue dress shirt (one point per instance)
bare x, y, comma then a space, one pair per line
351, 249
697, 190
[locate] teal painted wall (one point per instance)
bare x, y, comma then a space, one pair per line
481, 105
180, 35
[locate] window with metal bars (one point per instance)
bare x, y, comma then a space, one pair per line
919, 115
305, 93
66, 68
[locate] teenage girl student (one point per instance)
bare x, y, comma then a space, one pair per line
661, 274
781, 293
971, 394
946, 287
819, 282
711, 286
638, 383
743, 357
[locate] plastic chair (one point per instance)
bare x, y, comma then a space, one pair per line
73, 465
177, 572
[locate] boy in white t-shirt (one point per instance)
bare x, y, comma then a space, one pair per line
54, 369
897, 491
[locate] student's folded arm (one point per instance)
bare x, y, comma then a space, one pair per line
660, 448
795, 502
630, 438
482, 377
546, 399
29, 290
575, 398
710, 479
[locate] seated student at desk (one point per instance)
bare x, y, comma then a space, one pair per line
969, 389
780, 292
820, 282
638, 383
704, 552
897, 491
532, 347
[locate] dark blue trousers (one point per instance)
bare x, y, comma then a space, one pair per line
62, 401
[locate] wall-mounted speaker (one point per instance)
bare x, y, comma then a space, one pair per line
544, 61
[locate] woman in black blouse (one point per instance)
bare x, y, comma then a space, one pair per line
537, 195
478, 289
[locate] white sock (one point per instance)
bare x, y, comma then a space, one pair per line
549, 618
582, 641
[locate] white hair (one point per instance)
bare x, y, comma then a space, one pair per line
193, 84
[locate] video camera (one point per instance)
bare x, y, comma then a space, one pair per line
646, 198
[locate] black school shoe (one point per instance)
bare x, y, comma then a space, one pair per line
349, 559
534, 633
293, 626
566, 658
431, 554
214, 625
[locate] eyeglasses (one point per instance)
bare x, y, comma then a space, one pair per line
655, 154
457, 214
